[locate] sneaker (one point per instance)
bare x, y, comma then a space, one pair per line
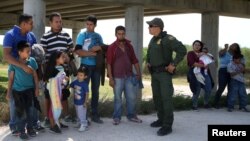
156, 123
164, 131
135, 119
74, 120
55, 129
31, 132
39, 128
97, 119
15, 133
24, 136
68, 118
82, 128
89, 123
244, 109
195, 109
46, 123
217, 106
63, 125
116, 121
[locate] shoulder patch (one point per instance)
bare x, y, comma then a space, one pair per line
170, 37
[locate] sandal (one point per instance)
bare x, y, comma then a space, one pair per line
135, 119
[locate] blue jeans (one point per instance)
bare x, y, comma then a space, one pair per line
12, 122
27, 118
124, 85
237, 88
95, 77
207, 88
195, 86
24, 102
223, 81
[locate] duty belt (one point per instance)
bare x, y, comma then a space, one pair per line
157, 69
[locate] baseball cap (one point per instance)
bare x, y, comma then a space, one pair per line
157, 22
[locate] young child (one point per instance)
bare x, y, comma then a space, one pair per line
81, 91
24, 87
56, 80
205, 59
237, 84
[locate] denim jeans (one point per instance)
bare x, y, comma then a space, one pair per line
237, 89
12, 122
95, 77
207, 88
124, 85
223, 81
195, 86
25, 110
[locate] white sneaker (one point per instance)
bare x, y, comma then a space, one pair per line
83, 128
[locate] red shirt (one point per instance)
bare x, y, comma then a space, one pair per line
121, 62
192, 58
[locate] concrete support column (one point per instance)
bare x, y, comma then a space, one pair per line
37, 9
75, 32
210, 36
134, 31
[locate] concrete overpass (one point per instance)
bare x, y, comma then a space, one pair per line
74, 11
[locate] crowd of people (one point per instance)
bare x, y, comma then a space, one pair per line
56, 80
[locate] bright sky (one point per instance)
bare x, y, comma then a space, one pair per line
185, 27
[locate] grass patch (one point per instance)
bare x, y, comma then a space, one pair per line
106, 103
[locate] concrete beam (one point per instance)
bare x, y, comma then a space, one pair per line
240, 8
69, 24
10, 2
89, 10
62, 7
94, 12
8, 19
103, 17
12, 8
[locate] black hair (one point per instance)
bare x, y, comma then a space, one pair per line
92, 18
237, 48
83, 70
237, 56
54, 14
50, 70
24, 18
200, 42
120, 28
22, 44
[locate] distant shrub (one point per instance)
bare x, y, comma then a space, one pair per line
1, 54
182, 68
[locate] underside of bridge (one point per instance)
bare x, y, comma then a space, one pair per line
77, 10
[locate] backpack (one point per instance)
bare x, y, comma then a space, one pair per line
38, 53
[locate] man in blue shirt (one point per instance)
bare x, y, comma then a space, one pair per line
88, 42
21, 32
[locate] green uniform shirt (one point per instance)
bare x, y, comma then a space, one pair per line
161, 48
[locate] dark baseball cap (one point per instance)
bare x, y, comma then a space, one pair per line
157, 22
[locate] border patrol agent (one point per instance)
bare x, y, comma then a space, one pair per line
162, 66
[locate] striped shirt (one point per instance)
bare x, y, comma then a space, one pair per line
54, 41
